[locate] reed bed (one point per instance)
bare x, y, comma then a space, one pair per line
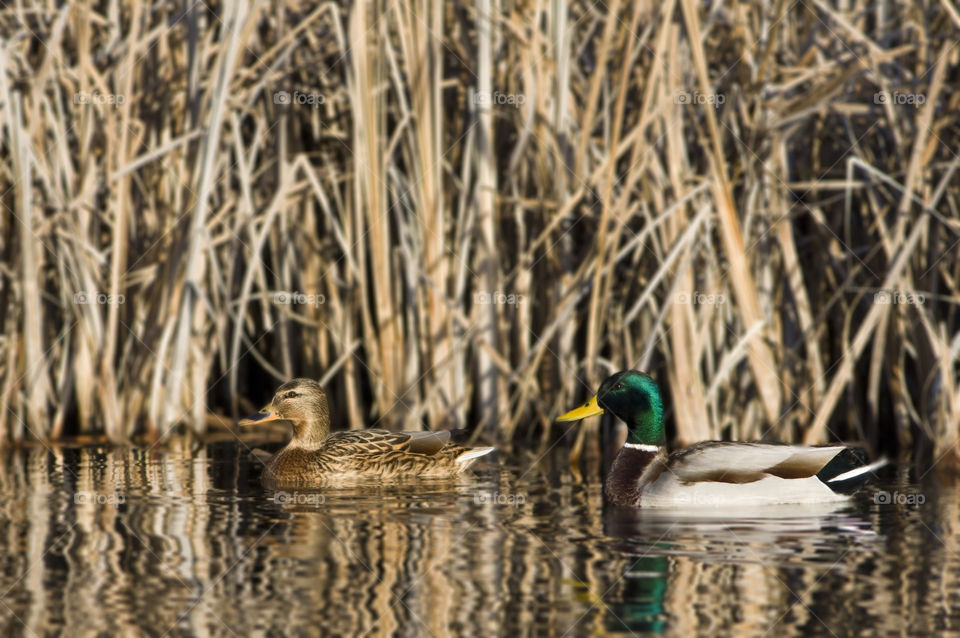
467, 214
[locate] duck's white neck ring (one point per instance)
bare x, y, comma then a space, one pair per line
642, 446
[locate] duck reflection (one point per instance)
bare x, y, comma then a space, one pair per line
642, 598
746, 559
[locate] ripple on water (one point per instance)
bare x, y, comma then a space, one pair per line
120, 540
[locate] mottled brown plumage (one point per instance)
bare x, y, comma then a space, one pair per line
316, 457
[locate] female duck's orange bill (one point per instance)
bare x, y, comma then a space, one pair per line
590, 408
263, 416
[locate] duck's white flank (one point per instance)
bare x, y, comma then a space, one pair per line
671, 491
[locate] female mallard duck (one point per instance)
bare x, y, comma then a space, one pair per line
314, 456
712, 472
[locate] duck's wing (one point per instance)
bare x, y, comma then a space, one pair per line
740, 462
426, 443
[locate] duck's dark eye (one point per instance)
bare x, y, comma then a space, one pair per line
293, 394
619, 386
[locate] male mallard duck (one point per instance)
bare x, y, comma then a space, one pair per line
314, 456
712, 472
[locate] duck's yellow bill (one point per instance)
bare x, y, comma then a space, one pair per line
590, 408
263, 416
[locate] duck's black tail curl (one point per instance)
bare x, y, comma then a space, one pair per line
850, 470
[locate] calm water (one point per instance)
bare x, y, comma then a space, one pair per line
184, 541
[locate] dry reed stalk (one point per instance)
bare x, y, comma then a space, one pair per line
489, 401
761, 359
367, 100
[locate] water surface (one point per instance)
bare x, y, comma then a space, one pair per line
183, 540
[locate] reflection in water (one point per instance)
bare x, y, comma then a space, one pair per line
641, 605
184, 541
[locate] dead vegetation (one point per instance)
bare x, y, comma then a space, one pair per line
468, 214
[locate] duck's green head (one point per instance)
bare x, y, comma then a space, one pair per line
635, 399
